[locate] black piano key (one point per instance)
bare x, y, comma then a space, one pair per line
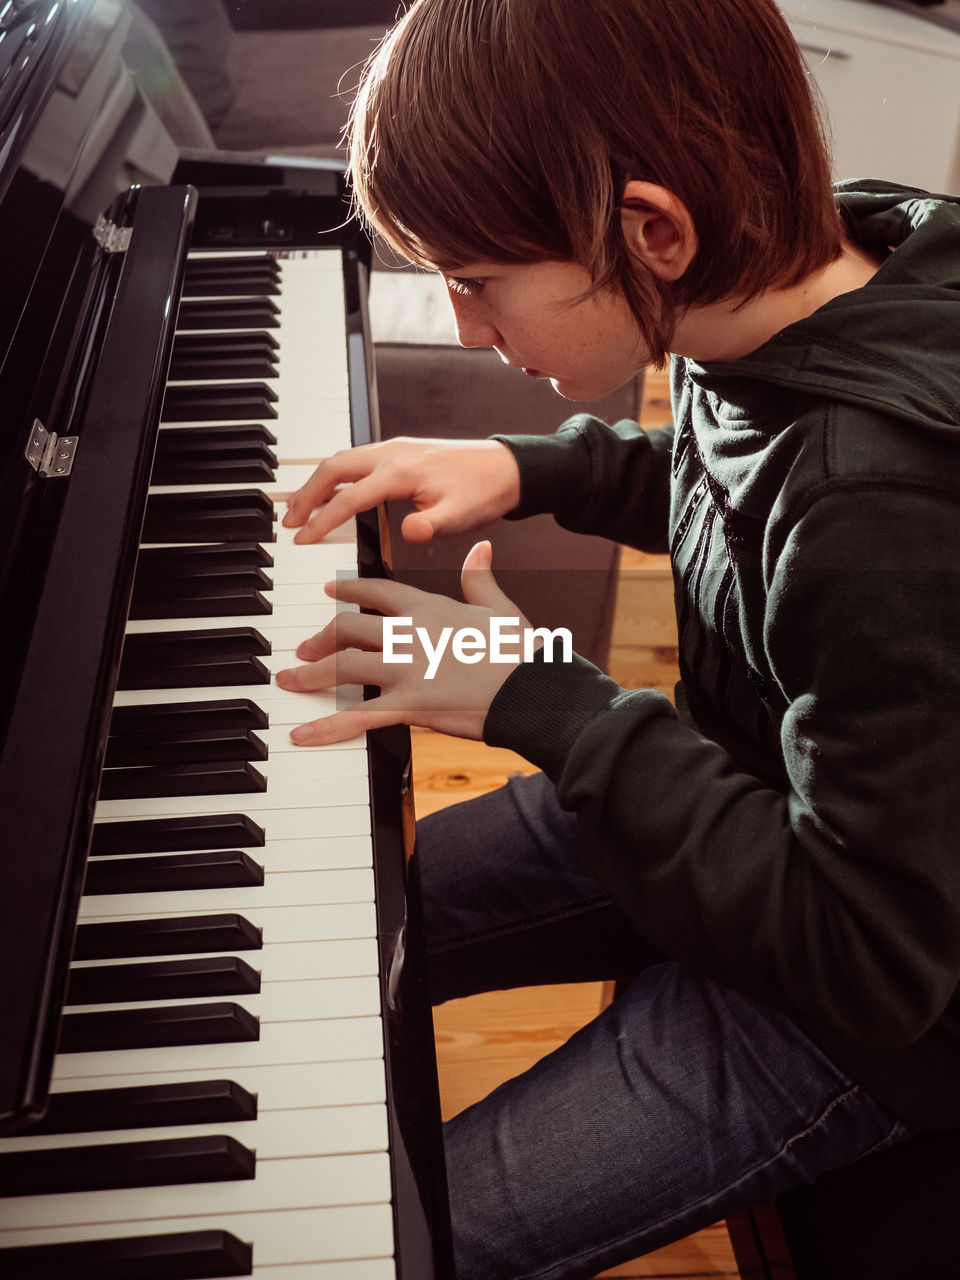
228, 313
199, 778
189, 1255
166, 936
214, 437
223, 596
171, 746
249, 466
235, 365
241, 515
215, 673
169, 835
190, 346
174, 873
146, 1106
230, 261
227, 268
175, 647
193, 642
243, 284
215, 713
198, 581
193, 658
156, 564
218, 402
158, 717
157, 1027
163, 980
164, 1163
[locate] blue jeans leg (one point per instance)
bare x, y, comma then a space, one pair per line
507, 902
679, 1104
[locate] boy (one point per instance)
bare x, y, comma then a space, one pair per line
775, 857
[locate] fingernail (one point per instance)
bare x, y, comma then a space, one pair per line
303, 733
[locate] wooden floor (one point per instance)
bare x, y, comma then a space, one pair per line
487, 1039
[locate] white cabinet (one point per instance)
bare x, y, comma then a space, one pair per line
890, 82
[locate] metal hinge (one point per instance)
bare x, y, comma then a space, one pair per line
49, 454
110, 237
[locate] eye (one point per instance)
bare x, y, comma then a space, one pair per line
466, 286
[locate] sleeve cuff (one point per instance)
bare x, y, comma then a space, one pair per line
542, 706
554, 470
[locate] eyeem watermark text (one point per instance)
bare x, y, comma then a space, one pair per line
506, 642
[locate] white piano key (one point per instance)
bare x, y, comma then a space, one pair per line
291, 923
313, 853
298, 1000
286, 762
276, 1135
310, 1182
281, 1239
307, 618
344, 1269
294, 961
277, 738
288, 1087
284, 794
283, 706
298, 824
289, 889
343, 1040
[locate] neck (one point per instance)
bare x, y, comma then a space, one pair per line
726, 331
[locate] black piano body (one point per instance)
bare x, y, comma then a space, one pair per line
93, 278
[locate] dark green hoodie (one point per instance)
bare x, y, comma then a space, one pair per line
791, 829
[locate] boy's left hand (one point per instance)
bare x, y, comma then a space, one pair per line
350, 651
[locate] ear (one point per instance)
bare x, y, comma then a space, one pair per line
658, 229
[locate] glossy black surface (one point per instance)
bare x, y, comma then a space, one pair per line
85, 338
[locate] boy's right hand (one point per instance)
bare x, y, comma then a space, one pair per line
455, 485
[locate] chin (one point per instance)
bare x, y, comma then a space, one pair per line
582, 391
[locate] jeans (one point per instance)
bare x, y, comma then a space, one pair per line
680, 1104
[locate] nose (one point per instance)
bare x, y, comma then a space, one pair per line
474, 329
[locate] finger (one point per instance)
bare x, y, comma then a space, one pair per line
348, 630
319, 488
420, 526
350, 666
394, 599
375, 713
364, 494
478, 584
417, 528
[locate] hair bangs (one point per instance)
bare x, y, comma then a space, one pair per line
435, 167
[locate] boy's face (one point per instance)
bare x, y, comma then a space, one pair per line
534, 315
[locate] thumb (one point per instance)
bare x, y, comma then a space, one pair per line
416, 528
477, 582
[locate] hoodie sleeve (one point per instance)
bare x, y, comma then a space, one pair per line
594, 478
836, 900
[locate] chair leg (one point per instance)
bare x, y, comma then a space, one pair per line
759, 1245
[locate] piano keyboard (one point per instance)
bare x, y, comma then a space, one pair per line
219, 1099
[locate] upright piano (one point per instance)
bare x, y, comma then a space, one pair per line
215, 1044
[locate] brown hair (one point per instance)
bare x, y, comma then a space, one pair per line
506, 130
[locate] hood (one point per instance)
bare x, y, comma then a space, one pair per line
893, 345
